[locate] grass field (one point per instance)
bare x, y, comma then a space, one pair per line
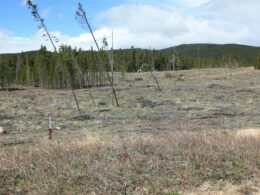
181, 140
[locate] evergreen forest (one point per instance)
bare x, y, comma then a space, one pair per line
73, 66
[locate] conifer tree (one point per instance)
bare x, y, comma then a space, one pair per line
27, 72
2, 72
257, 61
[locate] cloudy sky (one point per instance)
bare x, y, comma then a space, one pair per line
139, 23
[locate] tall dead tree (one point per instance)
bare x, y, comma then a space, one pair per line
110, 55
147, 67
173, 62
38, 18
81, 17
156, 81
151, 70
42, 25
74, 62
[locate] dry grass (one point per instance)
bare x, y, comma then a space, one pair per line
1, 130
168, 75
166, 163
248, 133
202, 99
137, 148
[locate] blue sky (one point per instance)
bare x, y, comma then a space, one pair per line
59, 15
142, 23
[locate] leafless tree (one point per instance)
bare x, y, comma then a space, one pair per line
81, 17
38, 18
151, 68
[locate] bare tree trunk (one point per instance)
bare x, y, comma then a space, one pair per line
82, 14
72, 79
92, 98
82, 76
151, 71
112, 58
159, 88
75, 97
39, 18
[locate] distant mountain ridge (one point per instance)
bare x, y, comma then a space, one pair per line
214, 51
191, 52
205, 50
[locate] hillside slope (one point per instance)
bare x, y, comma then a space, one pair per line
214, 51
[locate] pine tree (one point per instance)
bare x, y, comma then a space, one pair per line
27, 72
2, 72
18, 68
257, 61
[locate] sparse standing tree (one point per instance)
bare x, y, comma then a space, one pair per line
18, 68
27, 72
42, 25
67, 54
2, 72
257, 61
110, 55
152, 68
82, 19
173, 62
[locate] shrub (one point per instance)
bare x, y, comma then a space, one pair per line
168, 75
138, 78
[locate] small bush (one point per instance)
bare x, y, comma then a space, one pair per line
168, 75
138, 78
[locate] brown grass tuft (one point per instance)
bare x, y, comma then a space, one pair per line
168, 75
248, 133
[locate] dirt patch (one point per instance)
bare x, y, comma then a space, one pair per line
12, 89
219, 86
4, 117
223, 189
82, 117
1, 130
248, 133
249, 68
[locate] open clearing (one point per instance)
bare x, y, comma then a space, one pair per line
215, 99
194, 105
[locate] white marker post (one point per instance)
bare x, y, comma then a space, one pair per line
50, 128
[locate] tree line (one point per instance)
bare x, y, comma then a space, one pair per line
47, 69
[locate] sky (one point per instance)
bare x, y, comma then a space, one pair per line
140, 23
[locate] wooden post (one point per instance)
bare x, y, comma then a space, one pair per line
50, 128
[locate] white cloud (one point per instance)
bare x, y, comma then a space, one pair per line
195, 3
23, 3
143, 25
146, 25
45, 12
170, 4
239, 10
145, 18
237, 13
197, 31
12, 44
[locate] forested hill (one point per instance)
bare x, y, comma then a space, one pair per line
215, 51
